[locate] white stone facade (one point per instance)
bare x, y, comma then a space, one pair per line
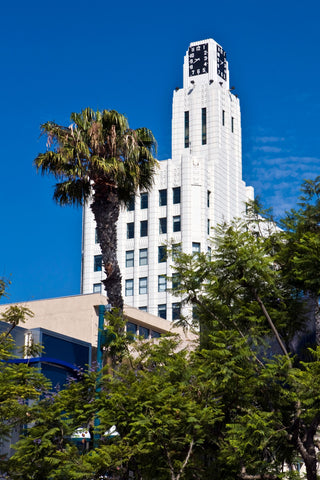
205, 171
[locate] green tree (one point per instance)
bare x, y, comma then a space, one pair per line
20, 383
98, 158
298, 251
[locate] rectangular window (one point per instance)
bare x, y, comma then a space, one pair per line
144, 228
162, 283
209, 253
144, 332
97, 263
176, 225
96, 238
155, 334
143, 309
223, 115
162, 198
232, 124
163, 225
175, 280
195, 247
143, 256
143, 286
132, 328
204, 125
176, 195
176, 249
176, 311
208, 198
208, 227
162, 311
130, 230
162, 254
143, 201
129, 258
186, 129
130, 206
129, 288
97, 288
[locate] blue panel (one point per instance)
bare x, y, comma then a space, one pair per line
64, 350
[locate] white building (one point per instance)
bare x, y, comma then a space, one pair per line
200, 186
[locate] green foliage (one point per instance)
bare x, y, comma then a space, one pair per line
20, 384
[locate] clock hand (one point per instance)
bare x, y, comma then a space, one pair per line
196, 60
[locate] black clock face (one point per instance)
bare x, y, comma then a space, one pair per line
198, 59
221, 63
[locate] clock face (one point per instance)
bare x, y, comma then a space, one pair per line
221, 63
198, 59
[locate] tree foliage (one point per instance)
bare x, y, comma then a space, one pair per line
244, 403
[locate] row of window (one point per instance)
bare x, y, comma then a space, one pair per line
163, 198
143, 284
143, 255
176, 226
139, 330
203, 126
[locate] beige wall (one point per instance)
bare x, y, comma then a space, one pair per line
77, 317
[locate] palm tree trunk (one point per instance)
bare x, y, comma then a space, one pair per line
105, 207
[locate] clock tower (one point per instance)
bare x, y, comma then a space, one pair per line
197, 188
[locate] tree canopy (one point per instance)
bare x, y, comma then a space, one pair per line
99, 159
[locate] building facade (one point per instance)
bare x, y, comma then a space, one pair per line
199, 187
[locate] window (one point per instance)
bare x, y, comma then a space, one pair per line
209, 253
162, 198
143, 200
176, 195
195, 313
195, 247
97, 263
144, 228
204, 125
131, 203
232, 124
162, 254
132, 328
162, 311
186, 129
208, 227
143, 286
144, 332
208, 198
129, 288
163, 225
129, 258
155, 334
175, 280
143, 256
223, 115
96, 238
143, 309
176, 311
162, 283
176, 249
97, 288
130, 230
176, 227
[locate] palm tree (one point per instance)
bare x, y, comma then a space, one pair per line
100, 159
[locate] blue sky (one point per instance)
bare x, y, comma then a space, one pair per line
59, 57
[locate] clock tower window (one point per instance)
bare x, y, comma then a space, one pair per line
186, 129
204, 125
